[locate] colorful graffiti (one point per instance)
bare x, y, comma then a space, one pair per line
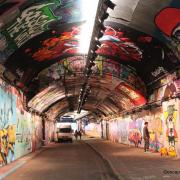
49, 131
7, 144
172, 87
115, 43
23, 134
30, 23
7, 125
166, 88
156, 131
20, 25
46, 97
20, 131
136, 97
55, 47
122, 131
135, 131
171, 26
38, 18
129, 129
170, 120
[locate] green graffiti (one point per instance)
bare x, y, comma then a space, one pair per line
32, 21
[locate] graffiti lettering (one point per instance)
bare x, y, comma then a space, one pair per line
130, 93
158, 71
31, 23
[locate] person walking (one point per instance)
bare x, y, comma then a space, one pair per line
76, 134
146, 137
80, 134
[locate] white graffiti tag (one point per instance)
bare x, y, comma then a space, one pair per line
158, 71
29, 24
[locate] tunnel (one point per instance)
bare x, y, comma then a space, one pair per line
118, 61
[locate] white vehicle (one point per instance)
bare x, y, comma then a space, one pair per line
64, 133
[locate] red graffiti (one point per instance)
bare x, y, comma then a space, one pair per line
167, 20
55, 47
134, 95
114, 43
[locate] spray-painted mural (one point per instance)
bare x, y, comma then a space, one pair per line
23, 134
170, 120
49, 131
156, 130
129, 129
169, 88
29, 22
123, 131
7, 124
135, 131
171, 125
170, 27
20, 131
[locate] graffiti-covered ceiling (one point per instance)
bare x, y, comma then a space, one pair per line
40, 53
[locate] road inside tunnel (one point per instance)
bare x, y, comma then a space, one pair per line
96, 159
65, 161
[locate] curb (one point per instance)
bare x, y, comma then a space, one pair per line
20, 162
115, 173
12, 170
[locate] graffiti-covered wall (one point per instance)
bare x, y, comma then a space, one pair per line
129, 130
49, 131
171, 116
20, 131
163, 120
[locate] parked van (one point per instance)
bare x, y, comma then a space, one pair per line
65, 133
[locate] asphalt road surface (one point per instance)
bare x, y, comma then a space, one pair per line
65, 161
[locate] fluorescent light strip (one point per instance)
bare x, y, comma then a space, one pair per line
89, 9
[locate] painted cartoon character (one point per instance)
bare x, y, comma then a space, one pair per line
11, 141
170, 123
163, 151
7, 143
171, 152
3, 146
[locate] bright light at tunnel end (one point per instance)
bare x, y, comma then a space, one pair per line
88, 9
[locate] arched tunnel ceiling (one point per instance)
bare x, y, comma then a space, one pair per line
64, 79
39, 43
